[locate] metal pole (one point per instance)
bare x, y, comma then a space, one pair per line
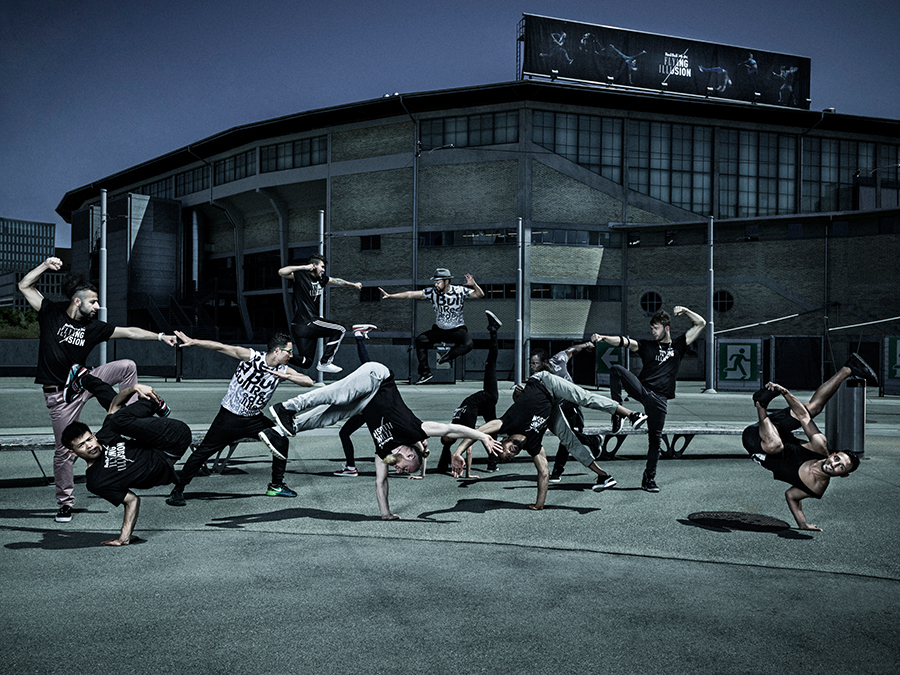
102, 293
320, 343
520, 301
710, 323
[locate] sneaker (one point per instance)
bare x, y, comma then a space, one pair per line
283, 418
176, 497
492, 467
616, 424
279, 490
328, 368
64, 515
759, 458
555, 479
494, 324
637, 419
362, 330
764, 396
73, 386
427, 377
860, 368
347, 471
603, 483
273, 440
648, 484
162, 409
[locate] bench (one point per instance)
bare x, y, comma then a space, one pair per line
37, 442
681, 436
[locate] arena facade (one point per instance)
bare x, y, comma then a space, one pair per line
614, 190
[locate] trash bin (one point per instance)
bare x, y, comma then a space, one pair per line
444, 373
845, 425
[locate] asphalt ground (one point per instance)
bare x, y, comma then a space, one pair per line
709, 575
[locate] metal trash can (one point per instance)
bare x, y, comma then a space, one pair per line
845, 425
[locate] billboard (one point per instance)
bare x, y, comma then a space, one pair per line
584, 52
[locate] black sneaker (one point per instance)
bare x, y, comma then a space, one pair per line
494, 324
616, 424
861, 369
73, 386
764, 396
274, 441
426, 377
555, 478
64, 515
637, 419
284, 418
603, 483
648, 484
176, 498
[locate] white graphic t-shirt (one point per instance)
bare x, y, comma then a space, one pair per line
251, 387
448, 306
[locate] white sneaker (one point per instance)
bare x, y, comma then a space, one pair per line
328, 368
362, 330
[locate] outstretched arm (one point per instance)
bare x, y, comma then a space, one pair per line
574, 349
403, 295
28, 283
616, 341
697, 321
477, 292
492, 446
241, 353
461, 431
381, 489
340, 283
291, 375
132, 504
794, 496
134, 333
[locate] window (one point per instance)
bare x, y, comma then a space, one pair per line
634, 238
651, 302
191, 181
722, 301
370, 242
499, 291
548, 235
467, 237
471, 130
757, 173
235, 168
591, 141
600, 293
369, 294
830, 167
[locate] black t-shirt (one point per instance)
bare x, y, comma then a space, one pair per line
529, 416
306, 296
126, 464
660, 364
785, 465
65, 342
390, 421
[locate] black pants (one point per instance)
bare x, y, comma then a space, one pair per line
225, 429
304, 335
462, 344
655, 406
483, 403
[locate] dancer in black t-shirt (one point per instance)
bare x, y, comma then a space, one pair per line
307, 326
653, 388
132, 450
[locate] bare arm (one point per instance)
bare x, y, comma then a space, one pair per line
242, 353
288, 272
574, 349
543, 476
616, 341
28, 284
292, 375
132, 504
698, 323
381, 489
340, 283
490, 444
817, 440
142, 390
477, 292
794, 496
403, 295
134, 333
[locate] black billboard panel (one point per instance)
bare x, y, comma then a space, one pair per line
586, 52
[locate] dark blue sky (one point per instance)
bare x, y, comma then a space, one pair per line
91, 88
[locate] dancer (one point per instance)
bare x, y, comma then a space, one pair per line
661, 358
628, 64
449, 325
241, 413
370, 390
117, 465
809, 466
535, 410
68, 335
307, 326
360, 333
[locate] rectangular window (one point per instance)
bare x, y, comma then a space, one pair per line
472, 130
588, 140
370, 242
599, 293
369, 294
235, 168
294, 154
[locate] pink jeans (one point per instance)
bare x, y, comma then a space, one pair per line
62, 414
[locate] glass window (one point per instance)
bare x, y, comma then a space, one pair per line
651, 302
